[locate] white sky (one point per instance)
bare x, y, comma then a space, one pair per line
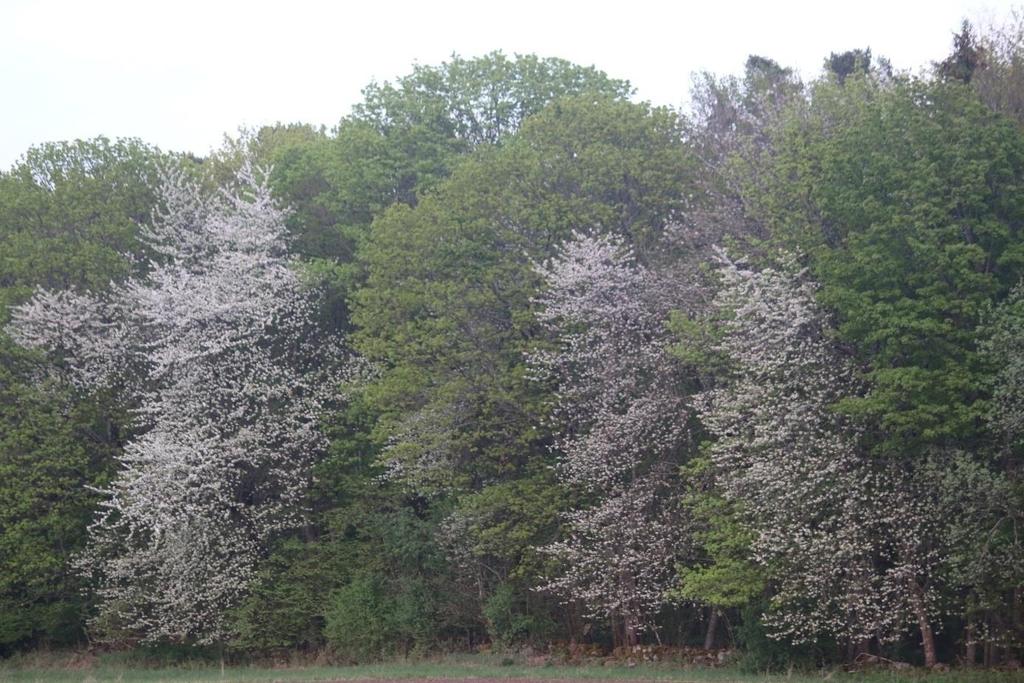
181, 74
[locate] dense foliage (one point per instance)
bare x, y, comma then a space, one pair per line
216, 352
507, 358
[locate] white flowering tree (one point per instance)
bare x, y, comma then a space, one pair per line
846, 539
216, 346
622, 415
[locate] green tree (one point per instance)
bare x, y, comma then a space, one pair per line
904, 198
907, 202
446, 310
967, 56
404, 139
480, 100
723, 575
446, 303
844, 64
69, 213
999, 79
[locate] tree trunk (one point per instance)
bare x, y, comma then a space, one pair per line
630, 630
927, 635
630, 617
1017, 610
573, 626
857, 649
927, 642
709, 637
971, 646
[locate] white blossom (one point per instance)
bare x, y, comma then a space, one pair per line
845, 537
622, 418
216, 348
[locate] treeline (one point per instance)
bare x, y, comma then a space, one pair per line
507, 358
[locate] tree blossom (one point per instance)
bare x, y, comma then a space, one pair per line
846, 538
217, 348
621, 414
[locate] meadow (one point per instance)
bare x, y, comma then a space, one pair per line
63, 668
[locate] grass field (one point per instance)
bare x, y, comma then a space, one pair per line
481, 669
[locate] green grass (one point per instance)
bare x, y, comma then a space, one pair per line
58, 671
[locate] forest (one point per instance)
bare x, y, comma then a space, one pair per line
508, 360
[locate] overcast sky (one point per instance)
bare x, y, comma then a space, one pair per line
181, 74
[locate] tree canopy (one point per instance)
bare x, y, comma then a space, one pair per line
508, 359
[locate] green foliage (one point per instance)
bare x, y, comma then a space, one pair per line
510, 621
481, 100
728, 578
452, 323
761, 654
695, 341
399, 599
51, 448
907, 201
423, 215
286, 608
990, 564
69, 216
721, 574
400, 142
492, 538
844, 64
367, 622
967, 56
406, 137
501, 526
446, 310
